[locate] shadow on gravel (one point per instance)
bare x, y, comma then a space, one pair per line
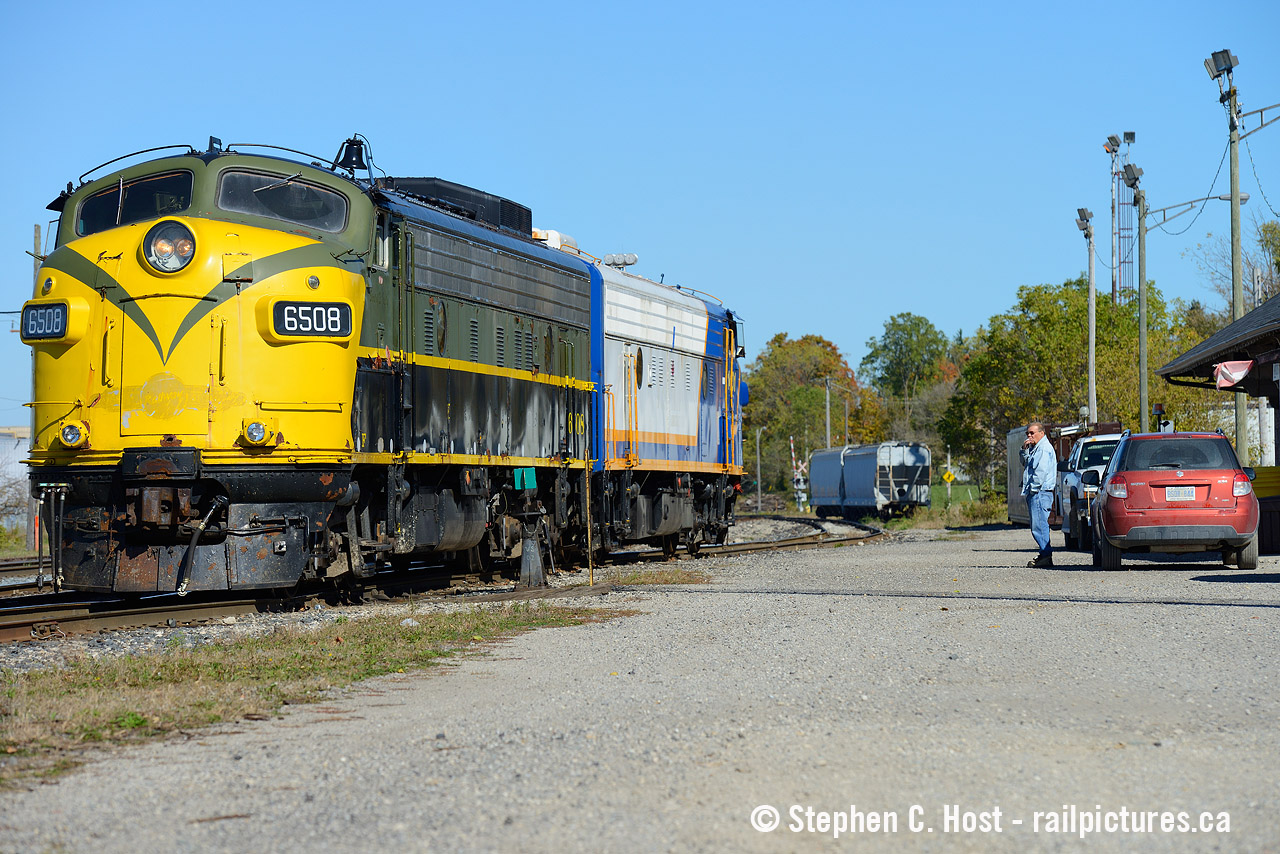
989, 526
1245, 577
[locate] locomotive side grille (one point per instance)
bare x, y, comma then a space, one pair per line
500, 346
688, 377
429, 332
475, 340
530, 345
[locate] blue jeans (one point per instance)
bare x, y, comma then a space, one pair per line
1039, 504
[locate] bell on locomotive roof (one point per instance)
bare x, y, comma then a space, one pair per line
351, 155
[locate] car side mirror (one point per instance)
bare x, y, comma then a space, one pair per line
1249, 472
1091, 478
1064, 466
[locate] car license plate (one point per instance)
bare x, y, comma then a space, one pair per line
1179, 493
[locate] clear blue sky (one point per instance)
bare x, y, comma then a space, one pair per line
818, 166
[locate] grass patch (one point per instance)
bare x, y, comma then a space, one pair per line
661, 575
46, 715
961, 514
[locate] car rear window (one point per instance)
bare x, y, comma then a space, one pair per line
1096, 454
1190, 453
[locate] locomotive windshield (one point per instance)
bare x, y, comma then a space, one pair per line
283, 197
143, 199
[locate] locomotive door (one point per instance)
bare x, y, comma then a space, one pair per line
166, 359
405, 336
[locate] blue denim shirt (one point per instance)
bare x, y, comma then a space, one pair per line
1039, 467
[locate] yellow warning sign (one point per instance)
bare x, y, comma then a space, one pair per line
948, 476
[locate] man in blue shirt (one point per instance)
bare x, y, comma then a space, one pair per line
1039, 475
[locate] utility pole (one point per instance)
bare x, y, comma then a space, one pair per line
1132, 174
33, 514
1112, 147
1237, 277
1084, 223
827, 382
759, 503
1140, 198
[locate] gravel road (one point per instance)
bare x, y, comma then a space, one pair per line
932, 671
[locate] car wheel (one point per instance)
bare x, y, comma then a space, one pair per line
1110, 556
1071, 527
1247, 557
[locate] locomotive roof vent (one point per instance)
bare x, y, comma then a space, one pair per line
621, 260
466, 202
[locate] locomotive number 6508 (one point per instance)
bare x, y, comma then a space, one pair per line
316, 319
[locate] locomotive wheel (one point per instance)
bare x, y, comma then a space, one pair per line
692, 547
669, 543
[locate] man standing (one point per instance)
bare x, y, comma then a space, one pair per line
1039, 474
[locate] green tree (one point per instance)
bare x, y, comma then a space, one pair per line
1031, 362
907, 356
914, 367
788, 399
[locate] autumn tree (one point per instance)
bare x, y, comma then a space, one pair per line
788, 399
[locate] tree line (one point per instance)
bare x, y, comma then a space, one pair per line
965, 392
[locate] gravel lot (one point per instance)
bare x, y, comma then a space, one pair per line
884, 676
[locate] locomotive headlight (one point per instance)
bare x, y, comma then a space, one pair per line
74, 434
169, 246
257, 433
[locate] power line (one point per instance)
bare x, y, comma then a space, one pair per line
1208, 196
1254, 167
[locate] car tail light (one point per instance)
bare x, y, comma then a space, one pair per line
1241, 486
1118, 487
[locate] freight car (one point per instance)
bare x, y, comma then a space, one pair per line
859, 480
251, 371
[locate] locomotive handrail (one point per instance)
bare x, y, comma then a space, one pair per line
167, 294
189, 149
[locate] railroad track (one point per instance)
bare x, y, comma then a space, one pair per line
27, 614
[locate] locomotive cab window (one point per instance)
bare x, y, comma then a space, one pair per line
283, 197
382, 241
135, 201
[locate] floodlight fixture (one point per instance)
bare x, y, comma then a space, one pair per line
1085, 214
1220, 63
1082, 224
1113, 142
1130, 137
1131, 175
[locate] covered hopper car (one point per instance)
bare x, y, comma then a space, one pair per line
860, 480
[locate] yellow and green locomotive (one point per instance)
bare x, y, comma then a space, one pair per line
251, 370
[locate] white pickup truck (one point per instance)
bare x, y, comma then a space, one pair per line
1074, 499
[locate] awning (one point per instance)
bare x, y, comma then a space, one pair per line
1253, 338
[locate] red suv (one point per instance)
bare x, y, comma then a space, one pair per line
1175, 492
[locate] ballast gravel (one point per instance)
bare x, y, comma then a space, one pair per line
931, 681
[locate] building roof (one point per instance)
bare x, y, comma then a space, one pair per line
1255, 336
